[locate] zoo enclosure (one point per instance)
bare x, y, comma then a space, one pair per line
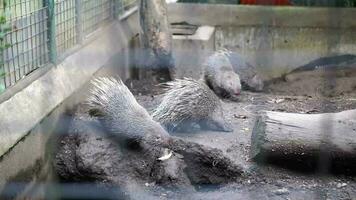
45, 31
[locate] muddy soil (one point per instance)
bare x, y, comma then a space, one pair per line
268, 182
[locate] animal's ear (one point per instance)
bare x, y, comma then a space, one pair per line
94, 112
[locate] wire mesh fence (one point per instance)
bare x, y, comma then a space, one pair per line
95, 13
66, 31
34, 41
124, 5
27, 37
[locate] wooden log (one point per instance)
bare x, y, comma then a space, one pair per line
306, 141
156, 37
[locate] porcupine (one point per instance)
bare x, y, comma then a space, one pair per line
187, 102
119, 112
227, 73
249, 76
219, 75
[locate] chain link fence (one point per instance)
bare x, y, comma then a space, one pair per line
42, 31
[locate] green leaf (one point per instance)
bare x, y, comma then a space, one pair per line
2, 19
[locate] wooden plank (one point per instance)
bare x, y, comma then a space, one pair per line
182, 29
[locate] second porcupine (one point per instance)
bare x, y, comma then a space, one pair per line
249, 77
188, 101
224, 71
219, 75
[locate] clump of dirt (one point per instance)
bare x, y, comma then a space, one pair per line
86, 154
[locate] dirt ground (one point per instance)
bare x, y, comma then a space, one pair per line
265, 182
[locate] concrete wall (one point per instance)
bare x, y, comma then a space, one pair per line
275, 39
30, 116
191, 50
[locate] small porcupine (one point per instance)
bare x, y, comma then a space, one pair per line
188, 101
119, 112
249, 77
220, 77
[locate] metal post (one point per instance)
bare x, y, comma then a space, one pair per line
78, 21
52, 47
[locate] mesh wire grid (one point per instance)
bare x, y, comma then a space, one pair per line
94, 13
128, 4
66, 25
124, 5
28, 39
